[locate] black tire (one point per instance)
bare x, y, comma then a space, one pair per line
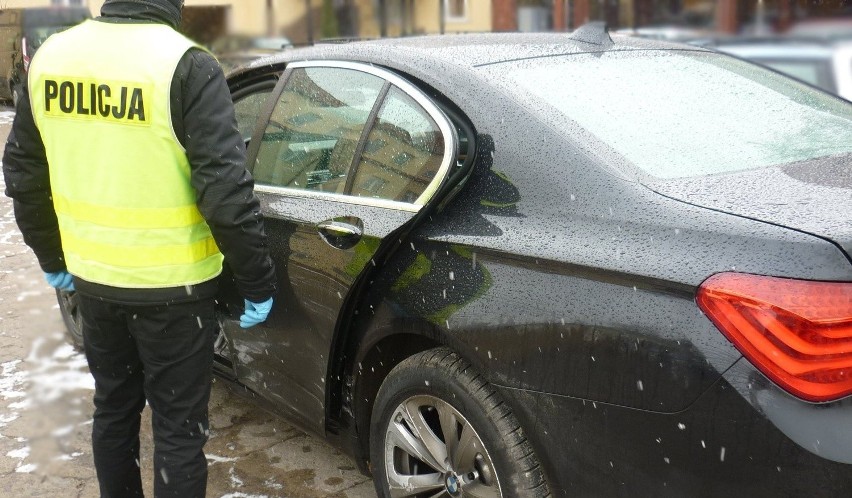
70, 311
435, 392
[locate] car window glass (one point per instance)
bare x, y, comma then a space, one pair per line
807, 71
310, 140
37, 35
722, 114
403, 152
247, 109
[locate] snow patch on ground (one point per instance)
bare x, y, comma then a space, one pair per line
51, 371
62, 431
11, 380
9, 233
20, 453
211, 459
236, 482
72, 456
26, 468
56, 373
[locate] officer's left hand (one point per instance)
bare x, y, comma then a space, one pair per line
255, 313
61, 280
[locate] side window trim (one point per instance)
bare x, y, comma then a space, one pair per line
263, 119
365, 134
252, 88
443, 122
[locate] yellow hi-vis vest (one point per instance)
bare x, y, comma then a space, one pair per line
120, 178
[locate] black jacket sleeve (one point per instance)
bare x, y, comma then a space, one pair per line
28, 184
204, 122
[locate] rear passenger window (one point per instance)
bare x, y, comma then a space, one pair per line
403, 152
312, 135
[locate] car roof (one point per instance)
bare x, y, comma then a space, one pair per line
462, 51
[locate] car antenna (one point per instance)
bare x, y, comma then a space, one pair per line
595, 32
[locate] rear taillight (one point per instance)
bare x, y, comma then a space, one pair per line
797, 332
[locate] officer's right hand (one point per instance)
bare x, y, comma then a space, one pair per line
61, 280
255, 313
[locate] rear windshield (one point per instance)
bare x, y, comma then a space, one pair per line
682, 113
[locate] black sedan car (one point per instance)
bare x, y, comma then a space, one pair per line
550, 264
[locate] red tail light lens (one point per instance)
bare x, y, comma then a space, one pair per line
797, 332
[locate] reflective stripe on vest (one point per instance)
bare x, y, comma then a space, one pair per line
100, 95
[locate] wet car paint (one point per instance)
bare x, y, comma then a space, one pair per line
825, 212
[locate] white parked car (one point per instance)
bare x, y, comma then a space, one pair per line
823, 63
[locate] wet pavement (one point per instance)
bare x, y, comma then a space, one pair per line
46, 409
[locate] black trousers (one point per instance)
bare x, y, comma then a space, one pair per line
162, 354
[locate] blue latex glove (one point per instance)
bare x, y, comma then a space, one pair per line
255, 313
61, 280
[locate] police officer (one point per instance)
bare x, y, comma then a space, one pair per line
128, 179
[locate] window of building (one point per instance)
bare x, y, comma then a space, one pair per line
455, 10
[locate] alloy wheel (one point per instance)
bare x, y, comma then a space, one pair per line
431, 450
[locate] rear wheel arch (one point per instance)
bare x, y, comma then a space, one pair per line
439, 381
373, 363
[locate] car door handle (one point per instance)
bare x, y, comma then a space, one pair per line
339, 229
342, 232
